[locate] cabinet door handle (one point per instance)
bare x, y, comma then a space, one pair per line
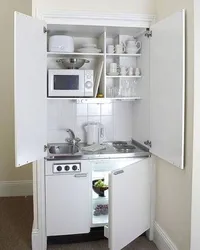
80, 175
119, 172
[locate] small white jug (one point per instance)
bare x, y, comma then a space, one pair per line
133, 46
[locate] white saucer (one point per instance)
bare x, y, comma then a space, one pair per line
89, 45
88, 50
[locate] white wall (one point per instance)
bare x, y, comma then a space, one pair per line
173, 206
195, 220
115, 116
131, 6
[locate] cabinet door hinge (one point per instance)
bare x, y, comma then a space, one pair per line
148, 143
45, 30
45, 148
148, 33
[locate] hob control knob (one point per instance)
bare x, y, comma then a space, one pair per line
59, 168
67, 168
74, 167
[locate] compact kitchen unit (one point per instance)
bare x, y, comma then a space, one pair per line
158, 121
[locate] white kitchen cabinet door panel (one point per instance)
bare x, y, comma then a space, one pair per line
29, 89
167, 94
129, 203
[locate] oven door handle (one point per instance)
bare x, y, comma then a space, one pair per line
81, 175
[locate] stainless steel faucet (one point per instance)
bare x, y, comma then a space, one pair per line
72, 140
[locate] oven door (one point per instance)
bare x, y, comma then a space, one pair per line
66, 83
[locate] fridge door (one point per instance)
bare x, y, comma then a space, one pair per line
68, 199
129, 204
30, 75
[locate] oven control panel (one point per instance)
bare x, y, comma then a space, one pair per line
67, 168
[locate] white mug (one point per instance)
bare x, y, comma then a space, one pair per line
111, 49
119, 49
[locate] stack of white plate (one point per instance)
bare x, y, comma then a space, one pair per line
89, 48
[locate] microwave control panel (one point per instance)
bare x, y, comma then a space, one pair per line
89, 80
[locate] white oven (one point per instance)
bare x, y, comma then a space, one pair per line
70, 83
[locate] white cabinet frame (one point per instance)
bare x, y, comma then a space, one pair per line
96, 18
77, 18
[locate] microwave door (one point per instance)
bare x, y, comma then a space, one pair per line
67, 85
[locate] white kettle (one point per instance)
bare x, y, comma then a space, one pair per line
95, 133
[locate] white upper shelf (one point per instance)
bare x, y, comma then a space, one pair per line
58, 54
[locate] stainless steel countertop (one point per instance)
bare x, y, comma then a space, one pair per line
109, 153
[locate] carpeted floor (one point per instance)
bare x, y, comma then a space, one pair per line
16, 218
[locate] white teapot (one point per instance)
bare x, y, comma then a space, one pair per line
133, 46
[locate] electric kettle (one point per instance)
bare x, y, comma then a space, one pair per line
95, 133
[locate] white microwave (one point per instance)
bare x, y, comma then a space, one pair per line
70, 83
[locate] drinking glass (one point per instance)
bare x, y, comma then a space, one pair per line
110, 92
133, 88
128, 89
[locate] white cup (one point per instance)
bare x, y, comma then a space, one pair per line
111, 49
119, 49
113, 67
137, 72
123, 70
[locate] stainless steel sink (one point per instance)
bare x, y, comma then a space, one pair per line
58, 150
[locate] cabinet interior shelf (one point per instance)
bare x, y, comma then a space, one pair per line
124, 54
100, 220
125, 98
118, 76
99, 100
58, 54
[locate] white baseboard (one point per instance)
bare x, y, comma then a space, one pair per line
162, 240
37, 241
16, 188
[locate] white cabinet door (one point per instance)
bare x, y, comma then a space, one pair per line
68, 203
129, 204
29, 89
167, 88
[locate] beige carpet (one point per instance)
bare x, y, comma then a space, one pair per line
16, 218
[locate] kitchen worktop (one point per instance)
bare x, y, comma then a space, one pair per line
108, 153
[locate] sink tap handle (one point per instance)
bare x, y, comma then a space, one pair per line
77, 140
69, 140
